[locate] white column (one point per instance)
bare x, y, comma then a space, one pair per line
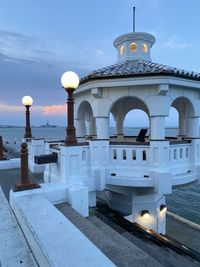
157, 128
149, 128
120, 125
80, 127
193, 127
151, 205
102, 124
182, 124
92, 127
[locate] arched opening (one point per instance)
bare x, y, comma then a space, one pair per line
121, 50
128, 116
172, 123
185, 119
145, 48
134, 121
85, 122
133, 47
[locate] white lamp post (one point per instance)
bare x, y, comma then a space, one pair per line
27, 101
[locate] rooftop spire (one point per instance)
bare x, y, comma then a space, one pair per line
134, 19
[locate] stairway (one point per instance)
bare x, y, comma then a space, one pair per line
120, 246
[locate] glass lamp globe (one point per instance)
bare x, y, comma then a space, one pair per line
27, 100
70, 79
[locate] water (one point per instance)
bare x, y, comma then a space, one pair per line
184, 200
14, 135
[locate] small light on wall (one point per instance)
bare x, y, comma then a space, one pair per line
163, 208
145, 214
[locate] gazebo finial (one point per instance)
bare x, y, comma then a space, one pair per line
133, 18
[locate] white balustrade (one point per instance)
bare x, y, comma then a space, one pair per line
126, 164
181, 160
179, 153
129, 155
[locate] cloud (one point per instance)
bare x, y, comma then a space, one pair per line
54, 110
171, 42
32, 66
9, 108
15, 114
86, 55
44, 110
19, 46
174, 43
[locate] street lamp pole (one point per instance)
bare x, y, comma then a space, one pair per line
71, 130
27, 102
70, 82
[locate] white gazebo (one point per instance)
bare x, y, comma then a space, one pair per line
134, 175
138, 175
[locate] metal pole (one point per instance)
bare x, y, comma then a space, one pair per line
28, 127
2, 157
134, 19
71, 130
24, 164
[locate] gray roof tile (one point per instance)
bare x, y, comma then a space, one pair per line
138, 68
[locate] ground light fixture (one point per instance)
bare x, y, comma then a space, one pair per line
145, 214
27, 101
70, 81
163, 208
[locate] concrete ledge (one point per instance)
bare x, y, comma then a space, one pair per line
9, 164
55, 192
54, 240
185, 221
14, 250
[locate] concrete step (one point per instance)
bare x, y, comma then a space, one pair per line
54, 240
14, 250
150, 248
117, 248
162, 254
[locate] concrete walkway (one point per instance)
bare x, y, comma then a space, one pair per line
14, 250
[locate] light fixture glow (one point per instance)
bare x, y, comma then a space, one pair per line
145, 48
133, 47
27, 100
70, 79
163, 208
145, 214
121, 50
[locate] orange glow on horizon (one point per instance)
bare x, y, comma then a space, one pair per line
54, 110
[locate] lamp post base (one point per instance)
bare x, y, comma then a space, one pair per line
23, 187
3, 158
70, 143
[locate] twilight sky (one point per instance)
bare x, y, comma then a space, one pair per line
40, 39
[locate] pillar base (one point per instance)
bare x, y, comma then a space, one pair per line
120, 137
23, 187
3, 158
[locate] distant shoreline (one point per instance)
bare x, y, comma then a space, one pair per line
54, 126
